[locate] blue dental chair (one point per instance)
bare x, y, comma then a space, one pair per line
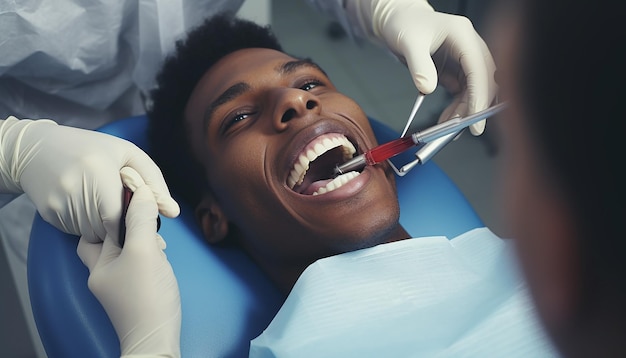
226, 300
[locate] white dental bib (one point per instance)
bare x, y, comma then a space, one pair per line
425, 297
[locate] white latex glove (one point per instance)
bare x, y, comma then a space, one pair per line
72, 175
136, 284
427, 41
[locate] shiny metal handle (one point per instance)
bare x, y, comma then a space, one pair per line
455, 124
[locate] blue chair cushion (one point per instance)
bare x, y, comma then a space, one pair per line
226, 300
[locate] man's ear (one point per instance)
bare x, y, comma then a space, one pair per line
212, 219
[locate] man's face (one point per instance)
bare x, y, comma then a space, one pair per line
257, 119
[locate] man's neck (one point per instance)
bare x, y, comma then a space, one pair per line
286, 277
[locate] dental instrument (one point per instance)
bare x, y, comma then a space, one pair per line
428, 150
416, 106
445, 131
126, 196
425, 153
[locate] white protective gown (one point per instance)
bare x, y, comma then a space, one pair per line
424, 297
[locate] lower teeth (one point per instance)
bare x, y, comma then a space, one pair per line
337, 183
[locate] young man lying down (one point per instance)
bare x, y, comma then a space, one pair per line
248, 135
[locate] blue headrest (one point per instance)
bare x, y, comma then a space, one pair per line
226, 301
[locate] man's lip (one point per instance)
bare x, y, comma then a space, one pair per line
308, 134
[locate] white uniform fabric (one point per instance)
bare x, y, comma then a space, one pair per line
425, 297
91, 56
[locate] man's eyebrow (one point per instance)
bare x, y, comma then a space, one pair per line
291, 66
230, 94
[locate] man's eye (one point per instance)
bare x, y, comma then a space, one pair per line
239, 117
309, 85
236, 118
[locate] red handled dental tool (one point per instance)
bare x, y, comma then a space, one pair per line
449, 128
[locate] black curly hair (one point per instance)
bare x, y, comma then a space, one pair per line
205, 45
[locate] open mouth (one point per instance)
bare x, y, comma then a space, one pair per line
312, 174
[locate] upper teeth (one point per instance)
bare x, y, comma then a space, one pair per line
319, 146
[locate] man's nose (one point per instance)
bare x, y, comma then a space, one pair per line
292, 103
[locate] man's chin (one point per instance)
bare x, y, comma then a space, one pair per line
381, 230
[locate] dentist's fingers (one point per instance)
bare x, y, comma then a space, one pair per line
88, 252
421, 66
456, 108
481, 87
141, 218
153, 178
471, 52
110, 251
131, 178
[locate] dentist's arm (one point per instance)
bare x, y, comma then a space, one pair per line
72, 175
136, 284
433, 45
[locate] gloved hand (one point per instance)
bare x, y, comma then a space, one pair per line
72, 175
135, 284
414, 32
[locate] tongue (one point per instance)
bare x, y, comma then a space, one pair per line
315, 186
